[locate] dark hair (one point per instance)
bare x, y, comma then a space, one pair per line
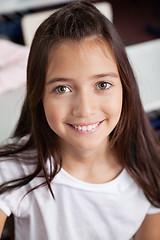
132, 139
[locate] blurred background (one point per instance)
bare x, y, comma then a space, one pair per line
136, 20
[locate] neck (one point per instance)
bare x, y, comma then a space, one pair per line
95, 166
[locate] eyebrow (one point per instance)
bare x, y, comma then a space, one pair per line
101, 75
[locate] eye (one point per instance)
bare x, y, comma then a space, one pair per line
62, 89
103, 85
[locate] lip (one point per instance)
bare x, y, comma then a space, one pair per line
86, 124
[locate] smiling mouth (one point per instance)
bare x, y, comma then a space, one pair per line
86, 128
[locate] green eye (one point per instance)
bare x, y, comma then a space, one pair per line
62, 89
103, 85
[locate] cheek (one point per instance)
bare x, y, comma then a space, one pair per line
113, 106
53, 112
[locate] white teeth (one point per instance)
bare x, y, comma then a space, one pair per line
86, 128
89, 127
79, 128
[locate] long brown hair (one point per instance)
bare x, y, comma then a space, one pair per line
133, 138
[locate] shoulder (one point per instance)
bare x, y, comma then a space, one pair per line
15, 162
13, 169
134, 195
15, 165
147, 217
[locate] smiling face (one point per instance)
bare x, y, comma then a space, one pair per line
83, 94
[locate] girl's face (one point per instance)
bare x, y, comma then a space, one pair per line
83, 94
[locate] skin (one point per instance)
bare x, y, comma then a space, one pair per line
3, 218
150, 228
82, 69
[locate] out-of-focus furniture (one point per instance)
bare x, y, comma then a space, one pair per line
145, 60
22, 5
10, 107
30, 22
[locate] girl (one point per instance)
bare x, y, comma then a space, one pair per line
83, 162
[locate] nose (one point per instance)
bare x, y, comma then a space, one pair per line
84, 105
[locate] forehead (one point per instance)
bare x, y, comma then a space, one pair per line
87, 57
81, 61
90, 44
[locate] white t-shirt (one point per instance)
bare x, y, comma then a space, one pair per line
80, 211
